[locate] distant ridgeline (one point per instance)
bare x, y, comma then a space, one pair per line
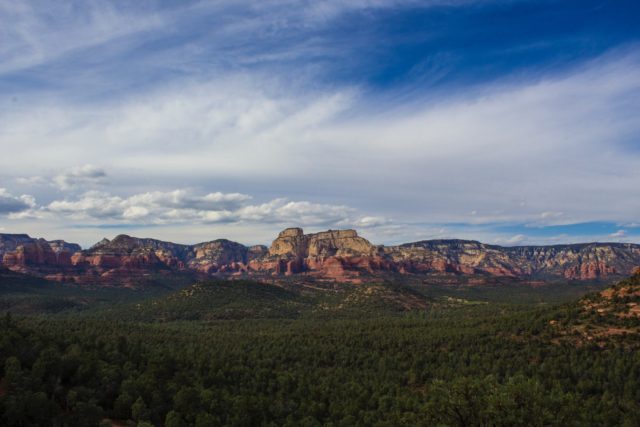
334, 255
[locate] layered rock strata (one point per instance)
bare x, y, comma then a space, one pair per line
337, 255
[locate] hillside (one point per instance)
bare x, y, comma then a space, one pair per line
24, 294
607, 317
245, 299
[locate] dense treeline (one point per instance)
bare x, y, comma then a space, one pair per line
479, 365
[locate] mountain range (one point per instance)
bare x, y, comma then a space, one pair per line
333, 256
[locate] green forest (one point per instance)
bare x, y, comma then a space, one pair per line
251, 354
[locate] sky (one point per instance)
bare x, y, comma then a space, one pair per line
512, 122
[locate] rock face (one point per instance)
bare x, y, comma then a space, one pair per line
292, 242
575, 262
333, 254
127, 256
123, 260
21, 252
337, 255
223, 256
125, 250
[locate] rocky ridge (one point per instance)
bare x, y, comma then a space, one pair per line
21, 252
335, 255
610, 317
585, 261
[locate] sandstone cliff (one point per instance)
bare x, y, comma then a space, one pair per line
339, 255
333, 254
575, 262
292, 242
21, 252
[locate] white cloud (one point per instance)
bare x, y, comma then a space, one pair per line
185, 199
42, 32
32, 181
80, 176
517, 239
38, 33
306, 212
10, 204
135, 212
551, 143
184, 206
618, 234
371, 221
548, 215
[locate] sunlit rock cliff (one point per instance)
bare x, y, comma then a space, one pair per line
334, 255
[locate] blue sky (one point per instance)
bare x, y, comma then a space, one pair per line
506, 121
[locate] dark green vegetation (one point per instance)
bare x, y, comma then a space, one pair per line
27, 294
245, 354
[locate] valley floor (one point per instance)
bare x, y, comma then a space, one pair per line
248, 354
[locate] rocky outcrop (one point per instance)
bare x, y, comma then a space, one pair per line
333, 254
574, 262
451, 256
337, 255
129, 256
289, 243
293, 243
20, 252
126, 256
219, 255
9, 242
59, 246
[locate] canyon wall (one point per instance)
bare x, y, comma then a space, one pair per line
336, 255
